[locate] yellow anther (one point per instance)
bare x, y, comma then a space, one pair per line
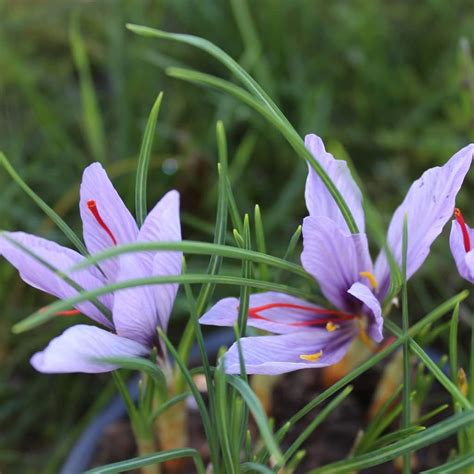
372, 280
312, 357
330, 326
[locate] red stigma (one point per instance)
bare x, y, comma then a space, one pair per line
333, 315
465, 233
92, 206
67, 312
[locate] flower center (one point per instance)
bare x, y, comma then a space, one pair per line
465, 233
331, 319
92, 206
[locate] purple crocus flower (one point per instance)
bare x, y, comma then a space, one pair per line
307, 335
460, 241
136, 312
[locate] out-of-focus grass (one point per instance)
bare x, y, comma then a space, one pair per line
388, 84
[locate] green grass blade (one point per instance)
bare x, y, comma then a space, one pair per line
320, 417
260, 240
143, 162
260, 95
259, 415
142, 365
406, 390
453, 344
409, 444
48, 312
91, 117
68, 232
157, 458
455, 466
197, 248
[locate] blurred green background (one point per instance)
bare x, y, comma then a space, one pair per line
388, 84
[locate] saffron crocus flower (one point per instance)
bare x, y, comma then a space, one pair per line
136, 312
306, 335
460, 241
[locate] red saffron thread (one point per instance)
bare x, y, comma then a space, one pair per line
465, 233
92, 206
335, 316
67, 312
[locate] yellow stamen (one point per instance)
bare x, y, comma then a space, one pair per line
312, 357
372, 280
330, 326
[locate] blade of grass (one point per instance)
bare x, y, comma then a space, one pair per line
409, 444
143, 162
197, 248
91, 117
142, 461
406, 391
259, 415
40, 317
68, 232
264, 99
260, 240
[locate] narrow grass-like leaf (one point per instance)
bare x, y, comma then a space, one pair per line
142, 461
68, 232
142, 365
319, 418
206, 421
40, 317
260, 240
127, 399
91, 117
396, 436
453, 344
260, 95
253, 467
222, 418
196, 248
409, 444
143, 162
455, 466
406, 391
432, 366
169, 403
259, 415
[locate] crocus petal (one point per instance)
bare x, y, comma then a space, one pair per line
79, 348
43, 278
319, 200
97, 187
279, 319
138, 311
273, 355
373, 310
464, 260
334, 258
428, 205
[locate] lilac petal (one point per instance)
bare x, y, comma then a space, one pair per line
278, 320
319, 200
97, 187
41, 277
334, 258
428, 205
464, 260
273, 355
373, 310
78, 349
138, 311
